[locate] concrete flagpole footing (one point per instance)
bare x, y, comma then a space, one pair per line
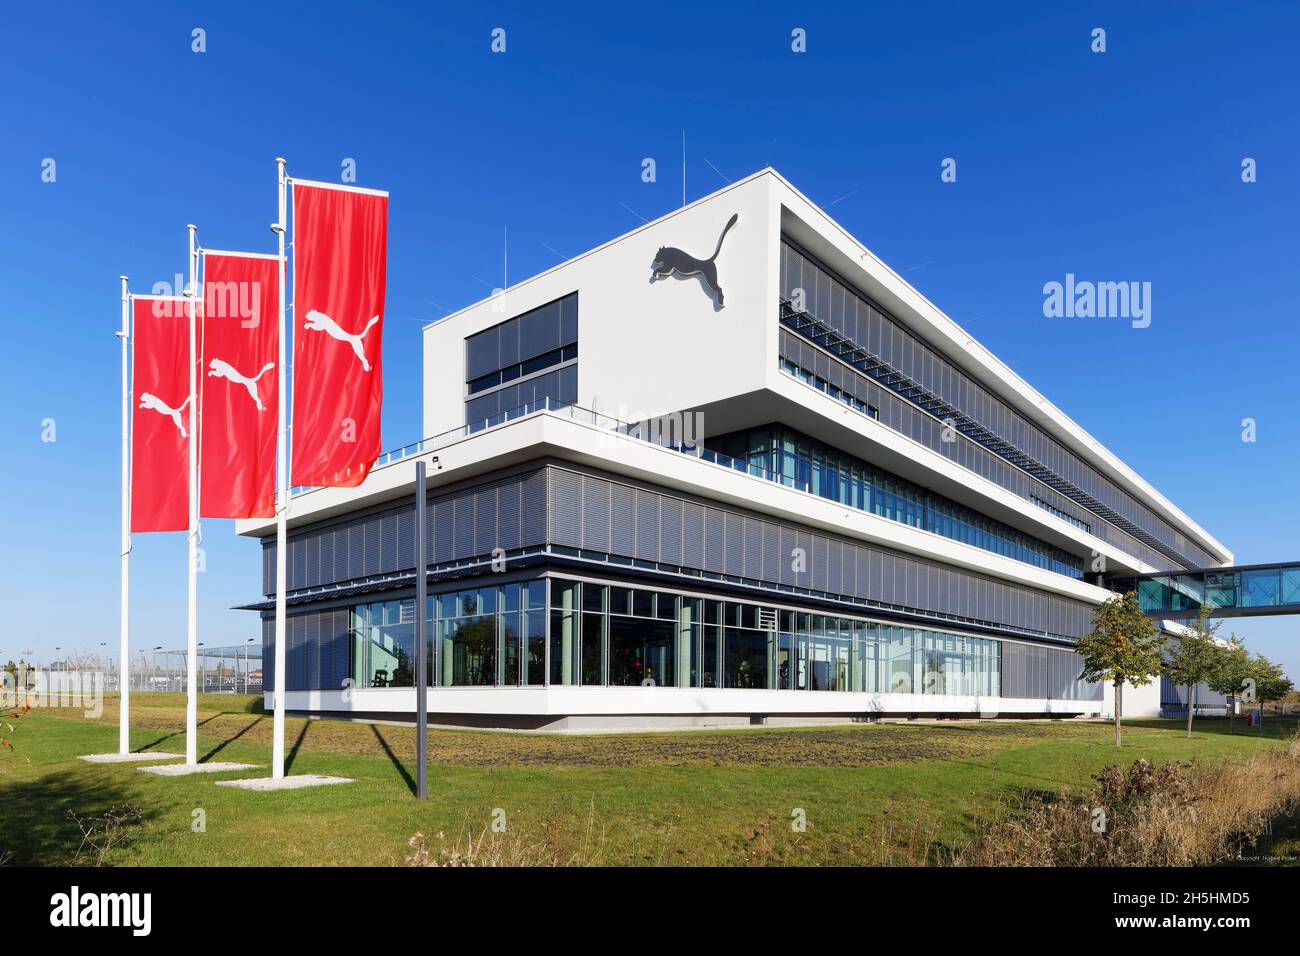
128, 758
184, 769
294, 782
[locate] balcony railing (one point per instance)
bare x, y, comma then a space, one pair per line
650, 432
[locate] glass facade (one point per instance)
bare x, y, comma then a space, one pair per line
1063, 515
480, 637
1231, 589
647, 637
781, 454
381, 649
612, 635
492, 636
523, 360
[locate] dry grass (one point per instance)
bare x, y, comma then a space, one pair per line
1176, 814
507, 847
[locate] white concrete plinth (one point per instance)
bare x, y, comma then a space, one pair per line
182, 769
128, 758
294, 782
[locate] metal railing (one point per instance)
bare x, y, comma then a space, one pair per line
651, 431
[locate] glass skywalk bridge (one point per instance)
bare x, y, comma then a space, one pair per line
1243, 591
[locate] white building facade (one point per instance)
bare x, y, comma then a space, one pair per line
727, 468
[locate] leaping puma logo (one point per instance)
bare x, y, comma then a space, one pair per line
150, 401
320, 322
221, 369
669, 260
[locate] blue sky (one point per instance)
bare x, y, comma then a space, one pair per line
1117, 166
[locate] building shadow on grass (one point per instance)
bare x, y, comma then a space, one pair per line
39, 828
401, 767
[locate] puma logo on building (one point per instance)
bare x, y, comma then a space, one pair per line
669, 260
320, 322
221, 369
154, 403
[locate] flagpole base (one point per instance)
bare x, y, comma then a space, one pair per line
296, 781
128, 757
185, 769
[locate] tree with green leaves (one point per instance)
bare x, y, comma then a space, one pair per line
1268, 682
1123, 647
1233, 666
1192, 658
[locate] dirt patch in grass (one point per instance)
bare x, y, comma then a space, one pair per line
850, 746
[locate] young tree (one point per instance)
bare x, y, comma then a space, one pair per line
1233, 666
1123, 647
1192, 658
1270, 682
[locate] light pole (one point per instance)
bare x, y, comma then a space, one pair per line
246, 643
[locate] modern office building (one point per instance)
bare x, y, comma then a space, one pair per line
726, 468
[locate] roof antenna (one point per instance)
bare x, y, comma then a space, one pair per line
683, 168
505, 257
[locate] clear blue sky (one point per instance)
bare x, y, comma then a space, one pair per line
1116, 166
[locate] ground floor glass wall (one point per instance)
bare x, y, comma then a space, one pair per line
480, 637
590, 634
623, 636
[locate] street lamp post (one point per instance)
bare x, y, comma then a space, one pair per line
246, 643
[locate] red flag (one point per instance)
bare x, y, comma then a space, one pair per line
238, 394
160, 418
340, 250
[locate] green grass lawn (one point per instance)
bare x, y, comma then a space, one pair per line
871, 793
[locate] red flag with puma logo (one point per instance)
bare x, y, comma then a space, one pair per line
160, 414
340, 253
238, 385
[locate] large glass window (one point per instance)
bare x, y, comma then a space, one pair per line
895, 655
1261, 588
750, 657
382, 652
566, 623
522, 361
593, 648
641, 651
711, 644
469, 651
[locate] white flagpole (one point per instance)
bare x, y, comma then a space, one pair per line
192, 624
123, 678
282, 505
